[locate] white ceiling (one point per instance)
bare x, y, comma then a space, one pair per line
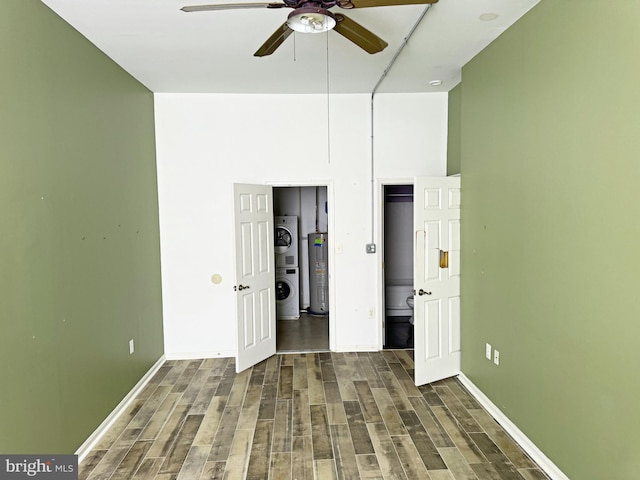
212, 52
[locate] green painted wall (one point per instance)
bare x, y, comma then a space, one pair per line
551, 238
454, 130
79, 242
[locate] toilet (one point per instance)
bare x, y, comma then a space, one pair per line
399, 298
410, 304
399, 313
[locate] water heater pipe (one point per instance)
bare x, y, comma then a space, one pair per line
371, 246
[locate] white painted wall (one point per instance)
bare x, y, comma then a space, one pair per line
398, 244
206, 142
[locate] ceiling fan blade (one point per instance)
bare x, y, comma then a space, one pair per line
230, 6
388, 3
274, 41
359, 35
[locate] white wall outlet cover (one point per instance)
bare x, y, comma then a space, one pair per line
131, 346
487, 351
496, 357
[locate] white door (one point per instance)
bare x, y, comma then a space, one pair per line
255, 277
437, 278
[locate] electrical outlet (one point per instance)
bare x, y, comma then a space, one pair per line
487, 351
372, 312
131, 347
496, 357
371, 248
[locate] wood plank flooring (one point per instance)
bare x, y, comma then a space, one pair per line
305, 416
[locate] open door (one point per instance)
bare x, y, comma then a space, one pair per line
436, 278
255, 277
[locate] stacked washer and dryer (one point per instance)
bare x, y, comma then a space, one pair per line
287, 268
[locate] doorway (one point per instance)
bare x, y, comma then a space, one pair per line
302, 285
398, 261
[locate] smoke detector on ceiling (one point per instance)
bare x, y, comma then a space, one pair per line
487, 17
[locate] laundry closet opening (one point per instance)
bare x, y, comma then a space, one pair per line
302, 268
398, 260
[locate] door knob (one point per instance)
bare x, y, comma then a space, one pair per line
422, 292
241, 287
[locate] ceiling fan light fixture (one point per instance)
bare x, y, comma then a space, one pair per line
311, 20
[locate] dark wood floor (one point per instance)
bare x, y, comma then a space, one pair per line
305, 416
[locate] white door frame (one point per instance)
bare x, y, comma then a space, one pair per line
330, 230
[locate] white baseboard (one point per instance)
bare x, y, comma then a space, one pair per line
527, 445
93, 439
197, 355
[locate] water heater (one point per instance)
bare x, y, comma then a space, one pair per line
318, 274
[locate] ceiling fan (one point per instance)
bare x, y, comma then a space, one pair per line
313, 16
